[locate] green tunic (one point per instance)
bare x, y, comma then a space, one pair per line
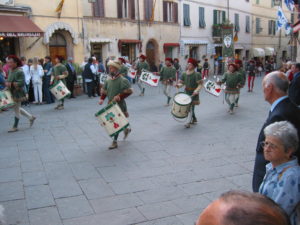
17, 76
59, 70
191, 82
124, 70
168, 73
232, 80
242, 73
142, 65
113, 87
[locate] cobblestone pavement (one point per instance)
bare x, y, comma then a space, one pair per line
60, 171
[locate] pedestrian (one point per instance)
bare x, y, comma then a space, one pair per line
37, 73
199, 67
59, 73
251, 75
85, 61
6, 68
167, 77
124, 69
282, 180
89, 73
206, 67
26, 71
242, 72
269, 67
30, 89
15, 83
116, 89
72, 77
192, 81
234, 82
275, 87
2, 77
216, 67
141, 65
294, 88
243, 208
178, 68
96, 79
47, 79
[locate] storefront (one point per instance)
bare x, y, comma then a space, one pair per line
171, 50
99, 47
238, 51
12, 29
128, 48
196, 49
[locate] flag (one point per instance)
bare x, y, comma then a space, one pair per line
290, 4
153, 11
281, 19
60, 6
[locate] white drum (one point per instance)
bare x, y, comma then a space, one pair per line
150, 78
6, 99
112, 119
213, 88
59, 90
131, 73
181, 105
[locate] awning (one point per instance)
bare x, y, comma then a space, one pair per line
258, 52
99, 40
238, 47
269, 51
18, 26
129, 41
166, 45
194, 42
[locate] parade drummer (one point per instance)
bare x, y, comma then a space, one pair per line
141, 65
234, 82
124, 69
59, 73
168, 76
15, 83
116, 89
242, 73
193, 83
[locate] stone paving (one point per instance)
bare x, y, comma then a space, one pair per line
60, 171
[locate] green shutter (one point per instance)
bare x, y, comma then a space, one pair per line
247, 24
236, 22
223, 16
186, 15
201, 18
215, 21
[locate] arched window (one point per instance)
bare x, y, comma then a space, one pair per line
150, 45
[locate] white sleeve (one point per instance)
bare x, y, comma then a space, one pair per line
93, 69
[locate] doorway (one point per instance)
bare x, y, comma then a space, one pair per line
151, 49
96, 50
57, 46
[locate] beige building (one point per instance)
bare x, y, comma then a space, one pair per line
266, 41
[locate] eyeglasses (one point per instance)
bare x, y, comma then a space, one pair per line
266, 144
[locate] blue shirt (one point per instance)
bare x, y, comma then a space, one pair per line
2, 81
282, 184
277, 102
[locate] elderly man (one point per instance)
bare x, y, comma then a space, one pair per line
275, 87
243, 208
294, 89
116, 89
72, 76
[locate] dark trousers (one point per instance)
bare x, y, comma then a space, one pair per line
97, 86
46, 89
259, 171
90, 88
70, 86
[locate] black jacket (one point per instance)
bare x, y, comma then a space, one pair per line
87, 72
294, 89
72, 75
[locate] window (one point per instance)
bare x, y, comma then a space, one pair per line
170, 12
126, 9
257, 2
272, 27
219, 16
98, 8
202, 23
148, 9
272, 3
186, 15
247, 24
258, 25
236, 22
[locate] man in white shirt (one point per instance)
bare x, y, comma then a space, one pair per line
89, 74
26, 71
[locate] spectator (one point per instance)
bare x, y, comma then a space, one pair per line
243, 208
72, 77
251, 76
206, 67
30, 89
89, 73
82, 68
290, 71
275, 86
96, 79
26, 71
294, 88
6, 68
37, 72
47, 79
282, 180
199, 67
2, 78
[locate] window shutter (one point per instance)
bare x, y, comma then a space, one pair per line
202, 17
215, 21
223, 16
119, 8
236, 22
96, 9
247, 24
165, 11
132, 9
148, 9
270, 27
186, 15
175, 12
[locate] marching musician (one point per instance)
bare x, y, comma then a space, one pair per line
168, 76
124, 68
59, 72
242, 73
116, 89
234, 82
193, 83
141, 65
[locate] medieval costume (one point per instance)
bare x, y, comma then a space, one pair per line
141, 65
168, 76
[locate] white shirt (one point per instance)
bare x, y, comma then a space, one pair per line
94, 71
26, 72
36, 74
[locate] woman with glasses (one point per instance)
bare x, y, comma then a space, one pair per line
282, 180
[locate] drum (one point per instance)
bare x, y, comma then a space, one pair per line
213, 88
6, 99
59, 90
112, 119
131, 73
181, 105
149, 78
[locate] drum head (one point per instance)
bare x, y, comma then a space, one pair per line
182, 99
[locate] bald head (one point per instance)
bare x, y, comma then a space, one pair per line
243, 208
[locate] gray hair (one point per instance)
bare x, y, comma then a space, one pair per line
279, 80
286, 132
